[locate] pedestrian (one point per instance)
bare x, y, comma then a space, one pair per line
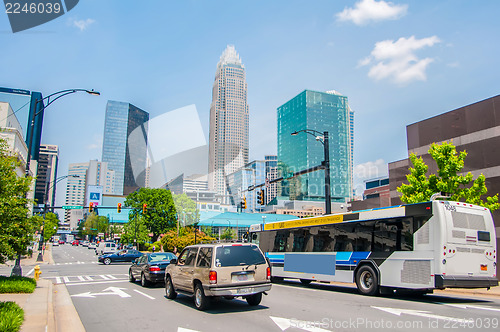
175, 251
154, 248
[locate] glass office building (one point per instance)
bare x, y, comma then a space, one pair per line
125, 154
320, 111
251, 174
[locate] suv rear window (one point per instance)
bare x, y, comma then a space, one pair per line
238, 255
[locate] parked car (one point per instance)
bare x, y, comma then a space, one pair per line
150, 268
75, 243
91, 245
55, 244
128, 255
85, 243
229, 270
61, 241
106, 247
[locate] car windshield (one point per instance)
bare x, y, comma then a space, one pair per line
161, 257
234, 255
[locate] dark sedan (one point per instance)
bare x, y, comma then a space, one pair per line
150, 268
128, 255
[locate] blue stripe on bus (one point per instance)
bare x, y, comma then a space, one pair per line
344, 258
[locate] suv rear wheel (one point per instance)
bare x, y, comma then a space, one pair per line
200, 300
254, 299
169, 289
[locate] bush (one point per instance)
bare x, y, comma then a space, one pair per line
186, 238
17, 285
157, 246
11, 317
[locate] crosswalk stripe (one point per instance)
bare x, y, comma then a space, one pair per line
58, 280
104, 277
89, 278
66, 279
111, 277
81, 278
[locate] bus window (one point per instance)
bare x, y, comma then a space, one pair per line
363, 236
385, 237
281, 241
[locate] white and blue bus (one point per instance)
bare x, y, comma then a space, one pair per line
421, 247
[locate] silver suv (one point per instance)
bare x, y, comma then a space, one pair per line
227, 270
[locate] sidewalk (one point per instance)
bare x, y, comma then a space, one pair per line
49, 307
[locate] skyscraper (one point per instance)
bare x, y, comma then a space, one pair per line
322, 112
45, 187
125, 148
229, 122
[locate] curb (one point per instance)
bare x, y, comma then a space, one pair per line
66, 316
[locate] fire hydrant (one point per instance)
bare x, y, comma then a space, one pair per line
37, 272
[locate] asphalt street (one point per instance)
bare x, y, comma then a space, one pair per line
107, 301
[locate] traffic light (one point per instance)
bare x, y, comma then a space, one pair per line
244, 203
119, 207
260, 197
144, 208
91, 207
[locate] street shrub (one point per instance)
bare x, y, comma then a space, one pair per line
11, 317
17, 285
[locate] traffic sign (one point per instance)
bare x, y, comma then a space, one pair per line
72, 207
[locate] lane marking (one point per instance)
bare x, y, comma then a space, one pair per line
66, 279
96, 282
104, 277
285, 323
30, 272
420, 313
89, 278
465, 306
146, 295
58, 280
81, 278
111, 277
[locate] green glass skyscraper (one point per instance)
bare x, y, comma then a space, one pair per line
319, 111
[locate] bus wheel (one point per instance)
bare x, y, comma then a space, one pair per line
305, 281
367, 280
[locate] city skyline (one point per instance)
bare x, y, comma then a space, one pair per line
395, 70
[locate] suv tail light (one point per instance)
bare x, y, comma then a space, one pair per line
154, 268
268, 273
212, 276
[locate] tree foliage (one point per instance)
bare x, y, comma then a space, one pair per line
186, 209
95, 224
186, 238
51, 225
160, 214
448, 179
135, 229
16, 229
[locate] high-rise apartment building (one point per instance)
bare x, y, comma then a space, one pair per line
125, 145
45, 187
75, 192
229, 122
319, 111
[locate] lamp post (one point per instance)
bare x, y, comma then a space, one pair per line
17, 270
323, 139
45, 208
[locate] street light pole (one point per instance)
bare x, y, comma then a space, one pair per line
17, 270
323, 139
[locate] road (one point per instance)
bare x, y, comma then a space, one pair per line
107, 301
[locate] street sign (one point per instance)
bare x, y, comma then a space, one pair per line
72, 207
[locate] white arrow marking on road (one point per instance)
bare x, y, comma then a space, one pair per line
181, 329
420, 313
465, 306
113, 291
285, 323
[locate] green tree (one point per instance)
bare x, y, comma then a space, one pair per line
449, 163
51, 226
135, 229
160, 213
16, 229
228, 234
186, 209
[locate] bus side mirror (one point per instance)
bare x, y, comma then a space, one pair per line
254, 236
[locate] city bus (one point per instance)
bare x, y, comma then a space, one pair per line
432, 245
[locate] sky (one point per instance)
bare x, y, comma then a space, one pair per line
398, 62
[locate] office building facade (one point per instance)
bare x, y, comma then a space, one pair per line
319, 111
124, 151
249, 175
271, 174
229, 122
45, 187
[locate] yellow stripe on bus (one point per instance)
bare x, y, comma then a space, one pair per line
304, 222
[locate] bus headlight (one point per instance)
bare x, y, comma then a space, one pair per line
444, 261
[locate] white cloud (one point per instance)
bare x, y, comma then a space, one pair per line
83, 24
365, 11
397, 60
367, 171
